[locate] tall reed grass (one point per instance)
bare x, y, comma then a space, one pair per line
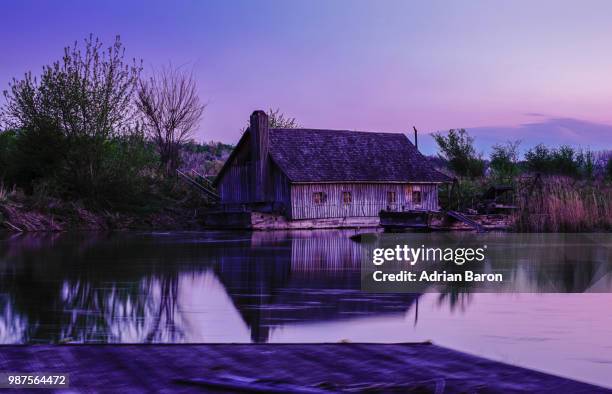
4, 193
563, 204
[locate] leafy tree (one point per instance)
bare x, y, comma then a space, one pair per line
85, 94
539, 159
79, 105
585, 161
457, 147
504, 158
563, 160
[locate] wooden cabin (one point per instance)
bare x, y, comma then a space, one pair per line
325, 175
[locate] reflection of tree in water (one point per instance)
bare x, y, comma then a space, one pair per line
12, 325
90, 311
455, 297
143, 312
85, 292
562, 263
166, 313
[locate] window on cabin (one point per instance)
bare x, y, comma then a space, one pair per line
391, 198
319, 197
347, 198
416, 197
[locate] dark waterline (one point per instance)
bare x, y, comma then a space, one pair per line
278, 287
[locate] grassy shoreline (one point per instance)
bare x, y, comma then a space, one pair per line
564, 204
23, 213
553, 204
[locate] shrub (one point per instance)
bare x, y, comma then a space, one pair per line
38, 153
585, 161
7, 147
127, 168
504, 158
464, 194
562, 161
539, 159
457, 147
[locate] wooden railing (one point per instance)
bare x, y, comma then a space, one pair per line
200, 182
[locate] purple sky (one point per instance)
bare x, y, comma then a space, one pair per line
537, 71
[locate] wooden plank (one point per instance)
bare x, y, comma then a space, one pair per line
381, 367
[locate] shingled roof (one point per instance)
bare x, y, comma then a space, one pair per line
311, 155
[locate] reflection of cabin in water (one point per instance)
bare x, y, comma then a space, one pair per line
322, 178
280, 279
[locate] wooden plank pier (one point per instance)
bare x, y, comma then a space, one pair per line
322, 368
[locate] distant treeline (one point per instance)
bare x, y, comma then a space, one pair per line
458, 154
205, 158
555, 189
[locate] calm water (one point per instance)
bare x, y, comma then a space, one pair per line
280, 287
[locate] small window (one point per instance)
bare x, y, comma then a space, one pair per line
416, 197
391, 198
347, 198
319, 197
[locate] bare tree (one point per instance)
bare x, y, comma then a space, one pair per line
171, 110
279, 120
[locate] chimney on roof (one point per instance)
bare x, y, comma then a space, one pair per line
416, 138
259, 155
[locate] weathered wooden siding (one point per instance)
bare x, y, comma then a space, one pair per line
234, 186
367, 199
234, 182
280, 191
